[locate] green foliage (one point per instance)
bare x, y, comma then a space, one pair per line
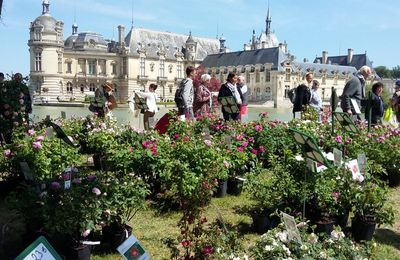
273, 189
275, 244
77, 209
124, 196
370, 201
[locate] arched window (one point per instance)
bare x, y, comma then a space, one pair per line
69, 87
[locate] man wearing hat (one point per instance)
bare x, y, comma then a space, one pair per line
104, 99
395, 101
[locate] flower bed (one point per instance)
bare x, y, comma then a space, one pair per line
182, 167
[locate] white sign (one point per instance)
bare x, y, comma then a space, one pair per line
362, 162
355, 170
337, 157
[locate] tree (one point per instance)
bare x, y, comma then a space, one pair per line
396, 72
383, 72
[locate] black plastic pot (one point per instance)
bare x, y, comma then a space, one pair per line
262, 222
221, 189
324, 226
115, 234
235, 186
363, 228
342, 219
394, 178
81, 252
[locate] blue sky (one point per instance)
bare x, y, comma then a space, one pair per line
309, 27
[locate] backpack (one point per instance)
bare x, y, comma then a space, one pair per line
292, 95
179, 95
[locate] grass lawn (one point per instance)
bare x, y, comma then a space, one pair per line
151, 227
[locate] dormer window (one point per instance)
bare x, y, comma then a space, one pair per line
37, 34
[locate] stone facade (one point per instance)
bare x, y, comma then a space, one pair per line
72, 69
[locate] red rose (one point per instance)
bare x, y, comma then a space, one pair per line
185, 243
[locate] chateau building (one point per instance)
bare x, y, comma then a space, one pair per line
72, 69
271, 71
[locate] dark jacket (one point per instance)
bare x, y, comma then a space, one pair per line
303, 96
354, 89
377, 109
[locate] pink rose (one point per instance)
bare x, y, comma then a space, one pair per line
96, 191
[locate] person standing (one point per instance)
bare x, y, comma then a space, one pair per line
202, 97
243, 87
355, 89
229, 89
104, 100
395, 100
151, 102
303, 94
377, 105
315, 100
188, 94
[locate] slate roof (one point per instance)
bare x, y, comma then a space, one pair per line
318, 69
357, 61
86, 41
171, 43
275, 56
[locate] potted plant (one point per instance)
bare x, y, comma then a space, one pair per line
371, 208
72, 208
272, 190
125, 196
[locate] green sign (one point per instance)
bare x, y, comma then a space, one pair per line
309, 147
39, 250
229, 104
346, 122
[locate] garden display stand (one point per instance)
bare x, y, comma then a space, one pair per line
311, 151
229, 105
347, 124
140, 104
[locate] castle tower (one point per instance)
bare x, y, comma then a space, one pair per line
191, 46
46, 49
268, 21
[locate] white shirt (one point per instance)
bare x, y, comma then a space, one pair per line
151, 99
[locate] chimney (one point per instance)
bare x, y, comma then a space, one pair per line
324, 57
305, 60
263, 45
121, 34
349, 56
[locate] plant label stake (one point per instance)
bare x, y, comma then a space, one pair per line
311, 151
131, 249
291, 228
337, 157
362, 162
40, 249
